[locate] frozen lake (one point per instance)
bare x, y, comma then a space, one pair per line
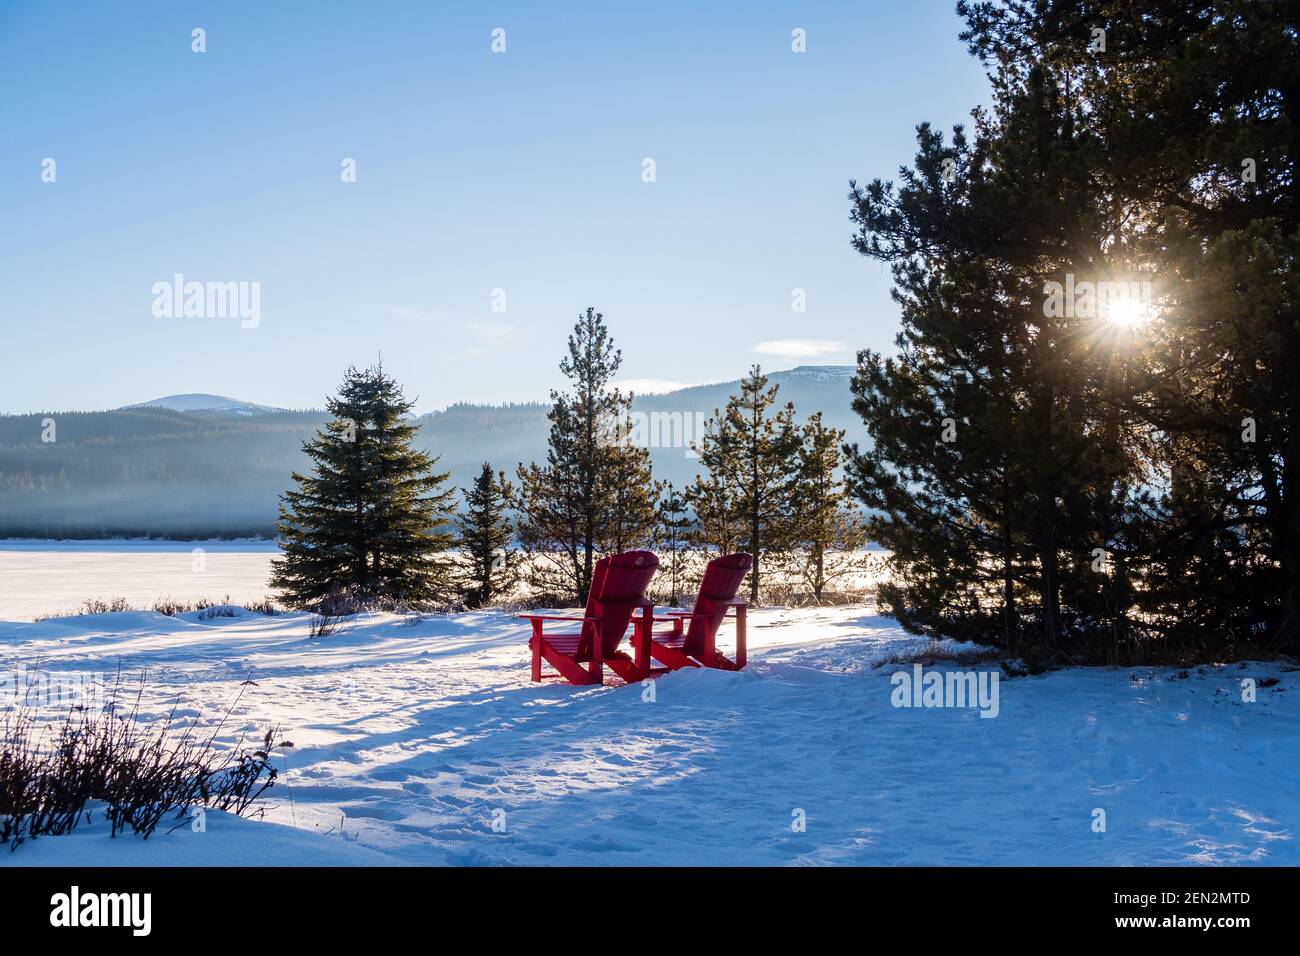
52, 577
44, 577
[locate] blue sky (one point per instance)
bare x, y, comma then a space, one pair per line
476, 171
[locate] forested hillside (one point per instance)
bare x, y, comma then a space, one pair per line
149, 471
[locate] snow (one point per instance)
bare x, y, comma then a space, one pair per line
224, 840
232, 545
412, 736
44, 577
204, 402
821, 373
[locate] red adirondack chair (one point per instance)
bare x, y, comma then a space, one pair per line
618, 586
696, 645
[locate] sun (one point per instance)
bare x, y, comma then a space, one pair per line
1127, 313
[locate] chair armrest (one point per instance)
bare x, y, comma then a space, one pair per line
549, 617
736, 602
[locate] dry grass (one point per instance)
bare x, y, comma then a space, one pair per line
50, 772
948, 652
207, 607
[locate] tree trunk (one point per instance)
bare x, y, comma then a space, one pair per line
1289, 540
1009, 624
584, 585
1049, 599
819, 582
1047, 559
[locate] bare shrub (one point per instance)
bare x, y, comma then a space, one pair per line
220, 610
50, 772
93, 606
265, 606
323, 625
101, 606
790, 593
168, 606
933, 652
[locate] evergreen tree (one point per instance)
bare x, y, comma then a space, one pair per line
1224, 559
717, 526
940, 471
830, 527
751, 458
1198, 104
367, 520
999, 466
594, 491
486, 535
672, 538
629, 491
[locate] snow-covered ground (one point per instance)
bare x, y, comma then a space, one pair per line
413, 738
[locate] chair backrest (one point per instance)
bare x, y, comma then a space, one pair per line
618, 586
721, 581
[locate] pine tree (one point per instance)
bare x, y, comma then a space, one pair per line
486, 536
367, 520
595, 491
1197, 105
916, 474
1126, 481
717, 526
831, 529
672, 538
629, 490
999, 466
1227, 424
751, 458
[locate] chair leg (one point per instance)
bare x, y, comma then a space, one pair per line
672, 657
575, 673
740, 636
644, 656
597, 656
537, 651
641, 640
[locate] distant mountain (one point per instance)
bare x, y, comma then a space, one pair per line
467, 435
197, 466
202, 402
812, 388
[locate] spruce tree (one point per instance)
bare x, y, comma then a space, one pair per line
830, 527
595, 492
750, 454
369, 519
485, 537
